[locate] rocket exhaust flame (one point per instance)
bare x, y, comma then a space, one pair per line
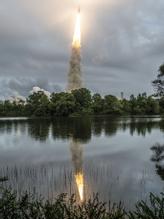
74, 76
80, 185
77, 34
77, 154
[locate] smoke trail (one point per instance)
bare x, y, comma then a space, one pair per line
74, 76
77, 156
77, 159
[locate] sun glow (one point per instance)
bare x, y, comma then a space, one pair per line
80, 185
77, 34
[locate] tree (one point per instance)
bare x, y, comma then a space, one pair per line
158, 83
97, 103
112, 105
161, 104
152, 106
82, 99
62, 104
1, 108
141, 103
126, 107
135, 104
38, 104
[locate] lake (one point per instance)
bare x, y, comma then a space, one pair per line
122, 159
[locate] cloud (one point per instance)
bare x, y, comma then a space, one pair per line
38, 89
22, 86
123, 44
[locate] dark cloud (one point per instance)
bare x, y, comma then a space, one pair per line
23, 86
123, 45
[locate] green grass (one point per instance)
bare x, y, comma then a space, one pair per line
63, 207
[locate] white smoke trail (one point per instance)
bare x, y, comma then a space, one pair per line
74, 76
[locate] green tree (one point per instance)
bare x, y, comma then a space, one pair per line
152, 106
141, 103
161, 104
82, 99
38, 104
158, 83
62, 104
135, 109
112, 105
1, 108
97, 104
126, 107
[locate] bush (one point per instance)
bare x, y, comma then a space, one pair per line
153, 210
26, 207
63, 207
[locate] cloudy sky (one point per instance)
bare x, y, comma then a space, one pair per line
123, 44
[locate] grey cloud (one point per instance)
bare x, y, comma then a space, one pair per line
23, 86
122, 47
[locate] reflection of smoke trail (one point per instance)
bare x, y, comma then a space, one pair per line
77, 154
74, 77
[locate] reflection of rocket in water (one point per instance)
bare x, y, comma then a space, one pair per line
77, 158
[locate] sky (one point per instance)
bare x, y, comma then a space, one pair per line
122, 45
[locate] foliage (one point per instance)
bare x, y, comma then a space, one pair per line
82, 99
153, 210
97, 104
11, 109
38, 104
62, 104
158, 83
142, 104
63, 207
158, 158
3, 179
112, 105
81, 102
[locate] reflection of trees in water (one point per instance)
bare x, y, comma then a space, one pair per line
97, 126
141, 126
9, 126
80, 129
158, 158
111, 126
161, 125
108, 125
77, 128
39, 129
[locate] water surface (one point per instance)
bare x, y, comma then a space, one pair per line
109, 156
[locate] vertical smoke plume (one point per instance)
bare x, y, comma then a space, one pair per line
74, 76
77, 159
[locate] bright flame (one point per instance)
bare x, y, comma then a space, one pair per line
77, 34
80, 185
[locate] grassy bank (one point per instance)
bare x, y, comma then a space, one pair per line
63, 207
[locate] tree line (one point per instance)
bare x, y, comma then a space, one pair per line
81, 101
